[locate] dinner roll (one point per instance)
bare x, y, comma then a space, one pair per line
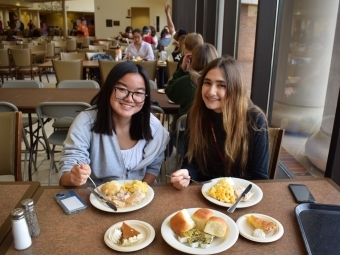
201, 216
181, 222
216, 226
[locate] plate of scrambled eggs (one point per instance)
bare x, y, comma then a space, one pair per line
119, 192
221, 191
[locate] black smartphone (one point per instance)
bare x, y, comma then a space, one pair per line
70, 202
302, 193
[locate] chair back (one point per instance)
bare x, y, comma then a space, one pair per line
10, 140
158, 112
38, 58
85, 84
72, 55
89, 55
57, 110
105, 66
11, 46
21, 57
4, 58
86, 50
50, 51
111, 52
23, 84
86, 42
275, 138
71, 45
171, 67
150, 67
153, 84
155, 53
68, 69
98, 47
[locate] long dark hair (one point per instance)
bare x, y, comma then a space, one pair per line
140, 121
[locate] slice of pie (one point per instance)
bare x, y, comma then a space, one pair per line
130, 235
265, 225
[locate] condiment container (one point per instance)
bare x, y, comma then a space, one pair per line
21, 234
31, 217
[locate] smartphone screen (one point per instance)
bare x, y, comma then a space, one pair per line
302, 193
70, 202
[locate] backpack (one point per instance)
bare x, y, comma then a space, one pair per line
22, 26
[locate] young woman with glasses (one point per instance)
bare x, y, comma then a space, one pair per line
118, 138
226, 133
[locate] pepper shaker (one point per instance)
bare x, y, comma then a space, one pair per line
21, 234
31, 217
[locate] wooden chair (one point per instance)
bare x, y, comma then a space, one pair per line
275, 136
10, 140
5, 65
72, 55
105, 66
86, 50
68, 70
111, 52
71, 45
22, 59
50, 51
86, 42
13, 46
171, 68
150, 67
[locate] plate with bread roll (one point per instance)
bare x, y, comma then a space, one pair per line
260, 228
199, 231
225, 191
126, 195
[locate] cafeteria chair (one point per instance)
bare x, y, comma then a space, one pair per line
71, 45
111, 52
68, 70
105, 66
149, 66
171, 68
12, 46
22, 59
89, 55
275, 136
80, 84
86, 50
72, 55
50, 51
5, 65
180, 127
8, 107
85, 43
57, 110
10, 149
98, 47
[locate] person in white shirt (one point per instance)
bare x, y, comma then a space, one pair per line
17, 23
139, 48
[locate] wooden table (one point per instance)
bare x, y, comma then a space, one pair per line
83, 232
11, 194
27, 99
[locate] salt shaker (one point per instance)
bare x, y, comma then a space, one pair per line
21, 234
31, 217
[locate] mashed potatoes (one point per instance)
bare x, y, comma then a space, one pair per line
222, 191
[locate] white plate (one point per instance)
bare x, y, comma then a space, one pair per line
145, 228
246, 229
257, 196
219, 244
101, 206
162, 91
171, 102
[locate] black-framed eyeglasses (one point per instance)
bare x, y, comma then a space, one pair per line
137, 97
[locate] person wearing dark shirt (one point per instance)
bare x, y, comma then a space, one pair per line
126, 37
226, 133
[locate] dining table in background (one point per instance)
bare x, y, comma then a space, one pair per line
83, 232
11, 194
27, 99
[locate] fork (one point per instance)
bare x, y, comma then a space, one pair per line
198, 182
80, 163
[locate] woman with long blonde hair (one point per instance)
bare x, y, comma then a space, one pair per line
226, 133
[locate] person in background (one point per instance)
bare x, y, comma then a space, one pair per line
182, 87
1, 28
164, 40
91, 28
139, 48
153, 34
174, 35
126, 37
17, 23
117, 139
31, 26
44, 30
177, 55
147, 37
167, 29
82, 30
226, 134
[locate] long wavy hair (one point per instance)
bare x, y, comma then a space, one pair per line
140, 121
236, 118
